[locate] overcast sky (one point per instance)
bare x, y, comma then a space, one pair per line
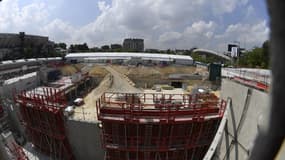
164, 24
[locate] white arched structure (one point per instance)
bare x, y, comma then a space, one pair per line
211, 52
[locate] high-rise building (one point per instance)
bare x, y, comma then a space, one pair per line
133, 44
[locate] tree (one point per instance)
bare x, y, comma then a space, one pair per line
79, 47
116, 46
61, 45
169, 51
84, 47
95, 49
152, 51
257, 57
105, 47
266, 53
71, 48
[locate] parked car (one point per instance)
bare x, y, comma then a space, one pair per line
78, 101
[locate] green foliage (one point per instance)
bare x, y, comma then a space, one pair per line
61, 45
79, 48
169, 51
116, 47
256, 58
105, 47
152, 51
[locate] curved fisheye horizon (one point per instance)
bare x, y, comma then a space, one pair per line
162, 24
142, 80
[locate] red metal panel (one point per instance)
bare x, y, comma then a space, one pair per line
133, 129
252, 83
42, 116
18, 152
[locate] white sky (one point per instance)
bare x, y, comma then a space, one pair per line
164, 24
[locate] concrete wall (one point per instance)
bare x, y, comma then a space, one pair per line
3, 151
6, 93
84, 138
19, 84
247, 116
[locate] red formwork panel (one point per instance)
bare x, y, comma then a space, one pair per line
17, 151
157, 126
252, 83
42, 115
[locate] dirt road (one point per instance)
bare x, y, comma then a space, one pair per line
120, 82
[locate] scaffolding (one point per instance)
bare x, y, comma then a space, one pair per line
138, 126
42, 115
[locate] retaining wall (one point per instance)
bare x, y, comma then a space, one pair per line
84, 138
247, 116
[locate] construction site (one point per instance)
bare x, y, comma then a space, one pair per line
118, 110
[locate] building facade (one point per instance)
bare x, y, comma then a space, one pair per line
133, 44
14, 46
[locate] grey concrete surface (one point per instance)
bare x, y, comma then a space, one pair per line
247, 116
7, 91
87, 112
34, 154
238, 95
3, 151
84, 138
21, 83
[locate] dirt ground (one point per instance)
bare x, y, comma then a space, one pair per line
94, 70
68, 70
87, 111
121, 69
119, 83
176, 69
156, 75
98, 71
121, 76
143, 71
